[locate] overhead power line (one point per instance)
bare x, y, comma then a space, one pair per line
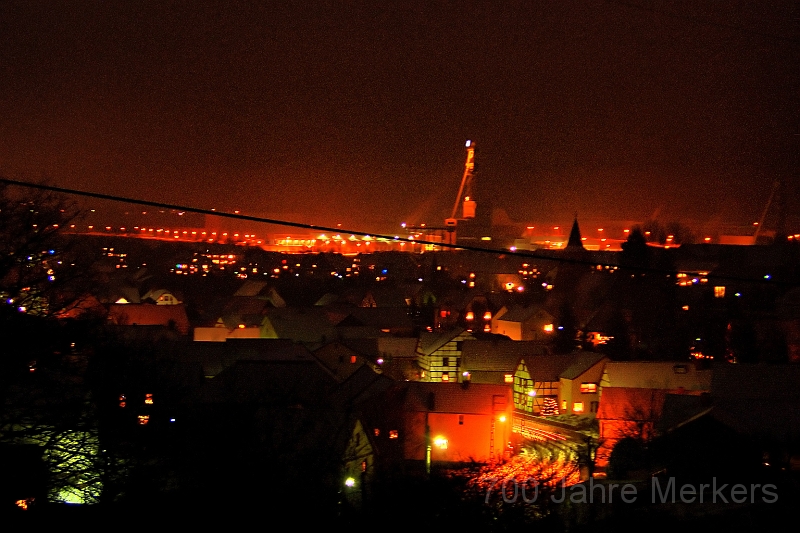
263, 220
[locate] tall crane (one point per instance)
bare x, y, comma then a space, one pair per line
464, 196
760, 225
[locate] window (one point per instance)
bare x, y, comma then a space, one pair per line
470, 316
459, 345
445, 361
393, 434
577, 407
594, 406
377, 432
563, 405
588, 388
445, 376
352, 359
719, 292
508, 378
679, 369
460, 420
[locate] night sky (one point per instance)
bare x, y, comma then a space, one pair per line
357, 112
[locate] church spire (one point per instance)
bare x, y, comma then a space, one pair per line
575, 241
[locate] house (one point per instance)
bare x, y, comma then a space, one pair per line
394, 357
260, 290
632, 397
520, 323
439, 354
358, 470
495, 361
537, 380
171, 317
341, 360
668, 375
162, 297
430, 424
629, 412
386, 320
214, 357
220, 332
579, 390
301, 324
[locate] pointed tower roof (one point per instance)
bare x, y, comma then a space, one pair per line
575, 241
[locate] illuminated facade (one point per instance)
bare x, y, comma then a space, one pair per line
439, 355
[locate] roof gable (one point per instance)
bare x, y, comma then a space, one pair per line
475, 398
656, 375
498, 355
581, 362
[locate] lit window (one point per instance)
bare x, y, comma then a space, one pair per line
487, 315
487, 328
548, 328
445, 376
144, 419
470, 316
352, 359
719, 292
440, 443
508, 378
588, 388
377, 432
577, 407
148, 399
563, 405
393, 434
